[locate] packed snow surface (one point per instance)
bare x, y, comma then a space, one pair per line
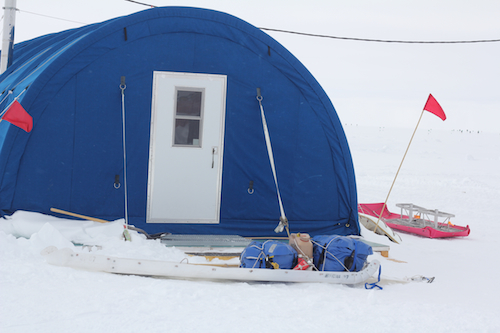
454, 171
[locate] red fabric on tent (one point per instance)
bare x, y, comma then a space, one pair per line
16, 115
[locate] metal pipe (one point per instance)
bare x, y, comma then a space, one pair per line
9, 19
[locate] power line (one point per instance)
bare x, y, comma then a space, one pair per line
362, 39
317, 35
384, 40
141, 3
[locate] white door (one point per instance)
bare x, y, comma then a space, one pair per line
185, 158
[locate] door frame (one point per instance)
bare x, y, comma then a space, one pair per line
162, 109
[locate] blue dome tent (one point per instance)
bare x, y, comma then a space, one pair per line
196, 157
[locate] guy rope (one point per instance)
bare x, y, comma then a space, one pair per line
123, 86
283, 220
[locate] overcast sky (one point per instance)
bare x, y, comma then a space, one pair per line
379, 84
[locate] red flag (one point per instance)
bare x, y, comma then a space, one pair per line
17, 115
433, 107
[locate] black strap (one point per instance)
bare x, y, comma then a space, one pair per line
268, 262
350, 262
322, 257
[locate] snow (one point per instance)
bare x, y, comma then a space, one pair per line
454, 171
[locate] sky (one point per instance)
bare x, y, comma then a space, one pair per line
369, 83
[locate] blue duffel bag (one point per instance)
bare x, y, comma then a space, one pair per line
339, 253
268, 254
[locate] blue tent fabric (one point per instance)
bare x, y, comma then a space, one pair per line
70, 158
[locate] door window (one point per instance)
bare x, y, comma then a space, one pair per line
188, 117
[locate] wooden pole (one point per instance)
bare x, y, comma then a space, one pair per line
401, 164
95, 219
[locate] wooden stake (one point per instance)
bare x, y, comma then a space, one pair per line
386, 199
95, 219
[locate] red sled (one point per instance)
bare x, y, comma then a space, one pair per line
416, 220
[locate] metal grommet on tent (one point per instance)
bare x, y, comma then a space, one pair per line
122, 83
250, 187
259, 96
347, 225
117, 184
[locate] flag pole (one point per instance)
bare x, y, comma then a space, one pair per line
401, 164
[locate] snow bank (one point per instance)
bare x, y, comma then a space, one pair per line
37, 297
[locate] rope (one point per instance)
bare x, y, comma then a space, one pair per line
261, 256
328, 252
26, 64
8, 106
52, 17
283, 220
123, 87
40, 66
15, 99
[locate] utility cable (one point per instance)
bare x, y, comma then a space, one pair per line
317, 35
384, 40
360, 39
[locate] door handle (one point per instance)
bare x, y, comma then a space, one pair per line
215, 151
